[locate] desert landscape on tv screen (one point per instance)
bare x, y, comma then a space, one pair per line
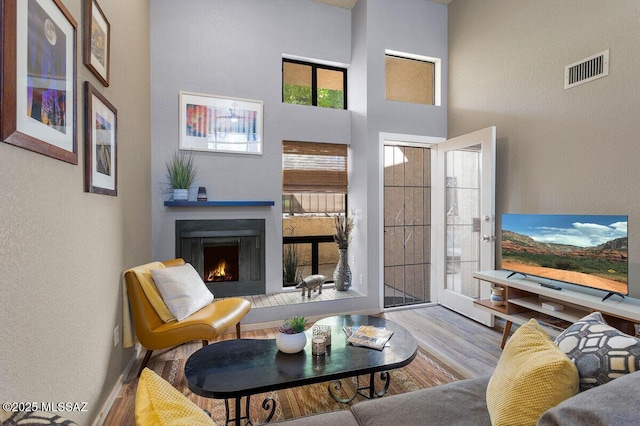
579, 249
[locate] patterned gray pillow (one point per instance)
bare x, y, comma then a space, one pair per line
600, 352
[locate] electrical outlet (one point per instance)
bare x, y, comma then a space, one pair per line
116, 336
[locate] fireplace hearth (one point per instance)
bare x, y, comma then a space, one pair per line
227, 253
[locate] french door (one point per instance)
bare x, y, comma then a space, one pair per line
464, 220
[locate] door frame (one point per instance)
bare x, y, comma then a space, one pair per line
399, 139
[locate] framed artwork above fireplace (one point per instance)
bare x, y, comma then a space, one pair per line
220, 124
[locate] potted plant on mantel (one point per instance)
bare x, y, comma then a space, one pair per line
181, 173
342, 237
291, 338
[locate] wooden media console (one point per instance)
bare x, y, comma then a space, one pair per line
524, 298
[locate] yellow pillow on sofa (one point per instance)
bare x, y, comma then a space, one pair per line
160, 404
532, 376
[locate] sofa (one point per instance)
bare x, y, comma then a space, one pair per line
464, 403
590, 375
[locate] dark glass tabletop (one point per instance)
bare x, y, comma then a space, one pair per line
242, 367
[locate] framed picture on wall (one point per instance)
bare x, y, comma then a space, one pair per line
100, 143
38, 106
96, 41
220, 124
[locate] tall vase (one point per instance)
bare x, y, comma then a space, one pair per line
342, 273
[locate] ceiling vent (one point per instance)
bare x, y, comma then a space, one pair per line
586, 70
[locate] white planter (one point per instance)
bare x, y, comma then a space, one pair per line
180, 194
291, 343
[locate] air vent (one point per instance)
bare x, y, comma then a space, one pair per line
586, 70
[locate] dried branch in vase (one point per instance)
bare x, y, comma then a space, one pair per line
344, 226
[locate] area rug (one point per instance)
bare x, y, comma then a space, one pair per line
423, 372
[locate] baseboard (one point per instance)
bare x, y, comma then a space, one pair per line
115, 391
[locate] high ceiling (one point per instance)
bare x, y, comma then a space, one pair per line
348, 4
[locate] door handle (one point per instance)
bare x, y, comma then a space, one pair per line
487, 238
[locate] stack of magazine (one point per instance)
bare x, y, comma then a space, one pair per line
368, 335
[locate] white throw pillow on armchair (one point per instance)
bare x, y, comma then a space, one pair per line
182, 290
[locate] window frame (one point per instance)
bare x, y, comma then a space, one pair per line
314, 80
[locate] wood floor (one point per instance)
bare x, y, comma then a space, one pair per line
468, 347
471, 348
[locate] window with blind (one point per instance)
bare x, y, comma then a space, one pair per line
314, 190
314, 167
410, 80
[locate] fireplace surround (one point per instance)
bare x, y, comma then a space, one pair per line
229, 254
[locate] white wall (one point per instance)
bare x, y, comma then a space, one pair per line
559, 151
62, 250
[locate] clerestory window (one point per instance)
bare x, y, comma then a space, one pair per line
306, 83
412, 79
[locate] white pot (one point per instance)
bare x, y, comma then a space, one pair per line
180, 194
291, 343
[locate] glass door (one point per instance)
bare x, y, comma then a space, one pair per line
407, 225
465, 214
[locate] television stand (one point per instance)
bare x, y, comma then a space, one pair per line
524, 299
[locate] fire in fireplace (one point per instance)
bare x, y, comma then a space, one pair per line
221, 263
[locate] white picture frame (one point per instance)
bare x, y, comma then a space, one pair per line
220, 124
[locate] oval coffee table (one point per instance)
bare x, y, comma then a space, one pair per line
244, 367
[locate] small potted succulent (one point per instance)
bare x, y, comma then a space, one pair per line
291, 337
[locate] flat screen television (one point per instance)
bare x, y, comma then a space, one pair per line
583, 250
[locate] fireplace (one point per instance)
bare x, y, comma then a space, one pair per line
227, 253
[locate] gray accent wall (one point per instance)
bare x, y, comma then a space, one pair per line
418, 27
558, 151
235, 49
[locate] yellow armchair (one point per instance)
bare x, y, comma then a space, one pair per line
154, 333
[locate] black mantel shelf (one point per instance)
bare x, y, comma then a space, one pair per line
238, 203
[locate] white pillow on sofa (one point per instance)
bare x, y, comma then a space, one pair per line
182, 290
